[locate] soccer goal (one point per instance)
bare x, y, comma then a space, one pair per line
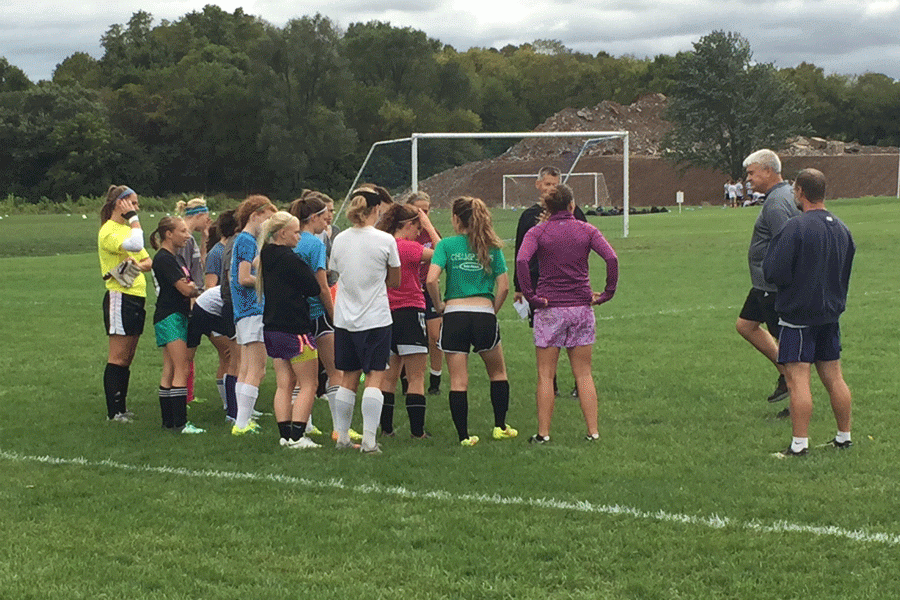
589, 189
473, 163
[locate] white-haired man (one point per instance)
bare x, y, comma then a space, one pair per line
764, 173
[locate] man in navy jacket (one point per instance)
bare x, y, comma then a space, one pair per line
809, 261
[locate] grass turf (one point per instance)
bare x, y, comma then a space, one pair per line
680, 499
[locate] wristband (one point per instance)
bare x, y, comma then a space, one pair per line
130, 216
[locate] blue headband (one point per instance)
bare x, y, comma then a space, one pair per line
125, 193
196, 210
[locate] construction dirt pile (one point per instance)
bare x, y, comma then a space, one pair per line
853, 170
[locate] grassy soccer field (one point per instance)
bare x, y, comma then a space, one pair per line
680, 499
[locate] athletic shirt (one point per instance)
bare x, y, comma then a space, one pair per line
362, 255
167, 270
225, 273
287, 282
426, 242
214, 261
109, 244
211, 301
465, 275
243, 299
328, 240
409, 294
312, 250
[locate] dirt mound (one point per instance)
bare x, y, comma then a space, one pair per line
853, 170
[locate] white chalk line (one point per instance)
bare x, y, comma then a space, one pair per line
579, 506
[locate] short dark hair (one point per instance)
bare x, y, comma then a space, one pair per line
558, 199
812, 183
548, 170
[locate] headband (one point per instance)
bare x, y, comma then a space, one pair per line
125, 193
196, 210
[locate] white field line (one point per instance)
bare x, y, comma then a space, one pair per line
581, 506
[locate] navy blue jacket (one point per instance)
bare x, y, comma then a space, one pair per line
809, 262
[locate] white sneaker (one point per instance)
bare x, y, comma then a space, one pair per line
302, 443
120, 418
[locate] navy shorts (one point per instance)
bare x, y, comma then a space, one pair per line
816, 343
368, 350
760, 307
408, 332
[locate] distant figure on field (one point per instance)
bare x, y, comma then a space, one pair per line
809, 261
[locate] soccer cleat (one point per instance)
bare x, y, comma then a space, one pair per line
313, 430
434, 390
376, 449
781, 391
783, 414
592, 437
388, 433
191, 428
256, 414
346, 445
129, 414
283, 441
354, 436
120, 418
504, 434
302, 444
246, 430
787, 452
425, 435
469, 441
575, 392
539, 439
836, 444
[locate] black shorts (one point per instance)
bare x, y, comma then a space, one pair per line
812, 344
322, 326
463, 330
408, 334
430, 313
760, 307
228, 320
202, 323
123, 314
365, 351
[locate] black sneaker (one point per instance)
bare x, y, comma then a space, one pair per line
591, 438
783, 414
839, 445
434, 391
574, 393
538, 439
788, 452
781, 391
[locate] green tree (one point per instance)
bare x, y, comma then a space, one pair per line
12, 79
725, 107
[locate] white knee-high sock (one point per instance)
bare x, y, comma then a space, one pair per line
246, 401
220, 384
372, 401
342, 412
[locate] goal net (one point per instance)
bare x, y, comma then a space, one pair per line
449, 165
589, 189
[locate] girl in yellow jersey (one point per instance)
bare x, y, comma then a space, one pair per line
123, 260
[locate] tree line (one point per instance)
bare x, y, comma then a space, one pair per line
219, 102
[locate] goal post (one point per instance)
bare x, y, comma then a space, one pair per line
592, 138
585, 186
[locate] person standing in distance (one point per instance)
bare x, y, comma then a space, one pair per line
764, 172
810, 261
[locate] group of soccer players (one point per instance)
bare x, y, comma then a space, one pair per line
283, 284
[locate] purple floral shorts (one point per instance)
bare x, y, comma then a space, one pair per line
564, 327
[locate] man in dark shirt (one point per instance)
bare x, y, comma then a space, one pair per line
809, 261
547, 180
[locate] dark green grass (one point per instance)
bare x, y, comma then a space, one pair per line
684, 423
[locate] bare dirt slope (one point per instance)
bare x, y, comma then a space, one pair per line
853, 171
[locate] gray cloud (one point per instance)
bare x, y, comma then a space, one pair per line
836, 35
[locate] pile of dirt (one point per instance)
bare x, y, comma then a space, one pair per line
853, 170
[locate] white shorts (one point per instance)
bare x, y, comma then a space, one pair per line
249, 330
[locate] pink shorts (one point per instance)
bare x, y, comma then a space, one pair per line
564, 327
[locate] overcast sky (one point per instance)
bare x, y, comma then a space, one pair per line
839, 36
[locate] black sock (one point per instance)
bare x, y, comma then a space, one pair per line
115, 382
126, 377
179, 406
298, 428
415, 408
230, 396
284, 430
500, 402
459, 410
165, 407
555, 386
387, 412
434, 381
